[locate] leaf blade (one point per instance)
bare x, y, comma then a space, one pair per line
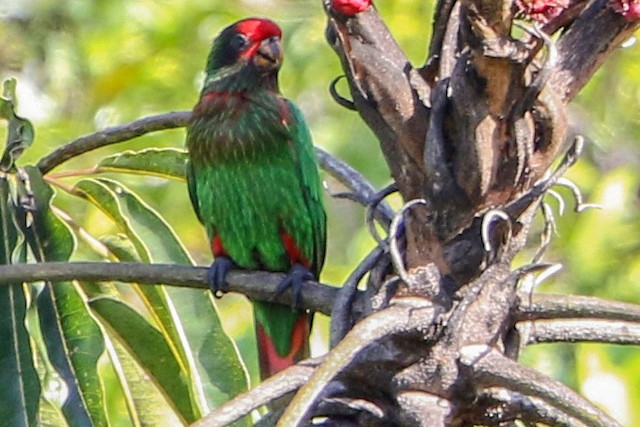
20, 391
160, 162
217, 370
148, 345
72, 338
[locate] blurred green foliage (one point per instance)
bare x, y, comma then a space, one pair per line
85, 65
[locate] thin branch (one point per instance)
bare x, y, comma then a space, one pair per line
113, 135
547, 306
584, 330
274, 387
490, 368
340, 100
442, 13
357, 183
342, 311
257, 285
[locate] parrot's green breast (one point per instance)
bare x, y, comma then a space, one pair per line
253, 179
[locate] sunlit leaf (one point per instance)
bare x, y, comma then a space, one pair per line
50, 415
106, 200
187, 317
146, 404
72, 338
159, 237
219, 373
120, 246
163, 162
118, 203
148, 345
20, 390
104, 194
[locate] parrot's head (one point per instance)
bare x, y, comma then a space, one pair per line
253, 43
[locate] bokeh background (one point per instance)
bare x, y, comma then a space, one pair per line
85, 65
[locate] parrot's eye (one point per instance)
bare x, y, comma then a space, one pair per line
238, 42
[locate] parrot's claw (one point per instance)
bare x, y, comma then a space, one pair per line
217, 273
295, 278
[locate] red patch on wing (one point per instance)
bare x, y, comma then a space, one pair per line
269, 359
257, 29
217, 247
293, 252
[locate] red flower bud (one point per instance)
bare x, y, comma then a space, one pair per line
541, 10
350, 7
628, 8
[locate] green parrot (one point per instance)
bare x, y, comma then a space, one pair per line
254, 183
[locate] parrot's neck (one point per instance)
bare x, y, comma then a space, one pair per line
240, 78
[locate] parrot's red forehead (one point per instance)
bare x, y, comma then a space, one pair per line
258, 29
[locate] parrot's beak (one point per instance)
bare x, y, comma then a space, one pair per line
269, 54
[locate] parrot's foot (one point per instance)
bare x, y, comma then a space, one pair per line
217, 273
295, 278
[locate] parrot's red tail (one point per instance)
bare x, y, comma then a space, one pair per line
273, 355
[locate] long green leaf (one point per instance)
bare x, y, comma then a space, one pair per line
187, 318
106, 200
73, 340
162, 162
160, 239
20, 390
216, 368
106, 196
50, 415
148, 345
74, 344
146, 404
103, 197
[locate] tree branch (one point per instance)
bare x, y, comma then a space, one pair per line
489, 368
399, 317
547, 306
284, 382
591, 38
356, 182
257, 285
602, 331
112, 135
342, 316
388, 92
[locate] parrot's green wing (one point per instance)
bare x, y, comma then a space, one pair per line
311, 184
191, 185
